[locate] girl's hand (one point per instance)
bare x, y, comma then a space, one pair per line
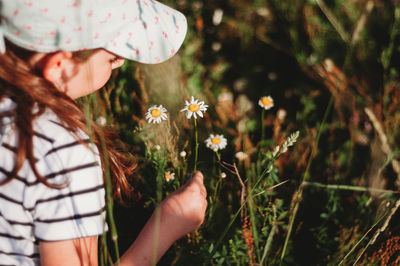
183, 211
180, 213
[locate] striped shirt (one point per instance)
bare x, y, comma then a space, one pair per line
31, 212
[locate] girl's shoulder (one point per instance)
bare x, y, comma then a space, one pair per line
50, 131
57, 145
46, 126
53, 142
58, 155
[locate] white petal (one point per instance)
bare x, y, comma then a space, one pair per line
203, 109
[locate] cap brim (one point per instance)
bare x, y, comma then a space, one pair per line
152, 34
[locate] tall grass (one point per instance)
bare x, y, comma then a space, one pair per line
331, 198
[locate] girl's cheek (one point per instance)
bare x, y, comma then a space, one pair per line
101, 79
101, 74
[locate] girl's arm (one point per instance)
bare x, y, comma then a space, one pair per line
80, 251
180, 213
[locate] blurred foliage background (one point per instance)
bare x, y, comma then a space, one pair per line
332, 68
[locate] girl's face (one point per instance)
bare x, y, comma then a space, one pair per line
77, 75
83, 77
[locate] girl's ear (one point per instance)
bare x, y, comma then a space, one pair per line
54, 65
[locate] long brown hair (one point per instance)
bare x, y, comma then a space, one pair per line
27, 88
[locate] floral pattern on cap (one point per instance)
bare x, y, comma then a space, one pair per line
141, 30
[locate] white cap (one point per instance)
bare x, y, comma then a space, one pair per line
145, 31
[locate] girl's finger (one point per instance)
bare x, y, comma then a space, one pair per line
197, 177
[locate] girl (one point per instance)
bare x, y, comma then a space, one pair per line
52, 205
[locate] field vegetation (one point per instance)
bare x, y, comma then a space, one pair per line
309, 176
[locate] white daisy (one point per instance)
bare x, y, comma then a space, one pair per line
194, 107
216, 142
169, 176
156, 114
266, 102
241, 156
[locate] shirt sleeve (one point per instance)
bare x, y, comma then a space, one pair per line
78, 208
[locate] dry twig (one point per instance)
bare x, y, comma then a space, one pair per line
332, 19
386, 223
384, 140
361, 22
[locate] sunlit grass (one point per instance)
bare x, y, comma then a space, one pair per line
267, 199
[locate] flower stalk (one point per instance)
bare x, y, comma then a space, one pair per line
196, 146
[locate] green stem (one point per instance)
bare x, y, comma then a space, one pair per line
361, 239
270, 237
107, 176
295, 209
213, 200
104, 250
268, 243
196, 147
216, 189
347, 187
250, 203
262, 126
386, 57
305, 177
183, 173
159, 180
214, 248
320, 129
270, 188
156, 234
110, 203
218, 157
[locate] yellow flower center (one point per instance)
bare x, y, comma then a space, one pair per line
167, 176
266, 101
155, 113
194, 108
215, 140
